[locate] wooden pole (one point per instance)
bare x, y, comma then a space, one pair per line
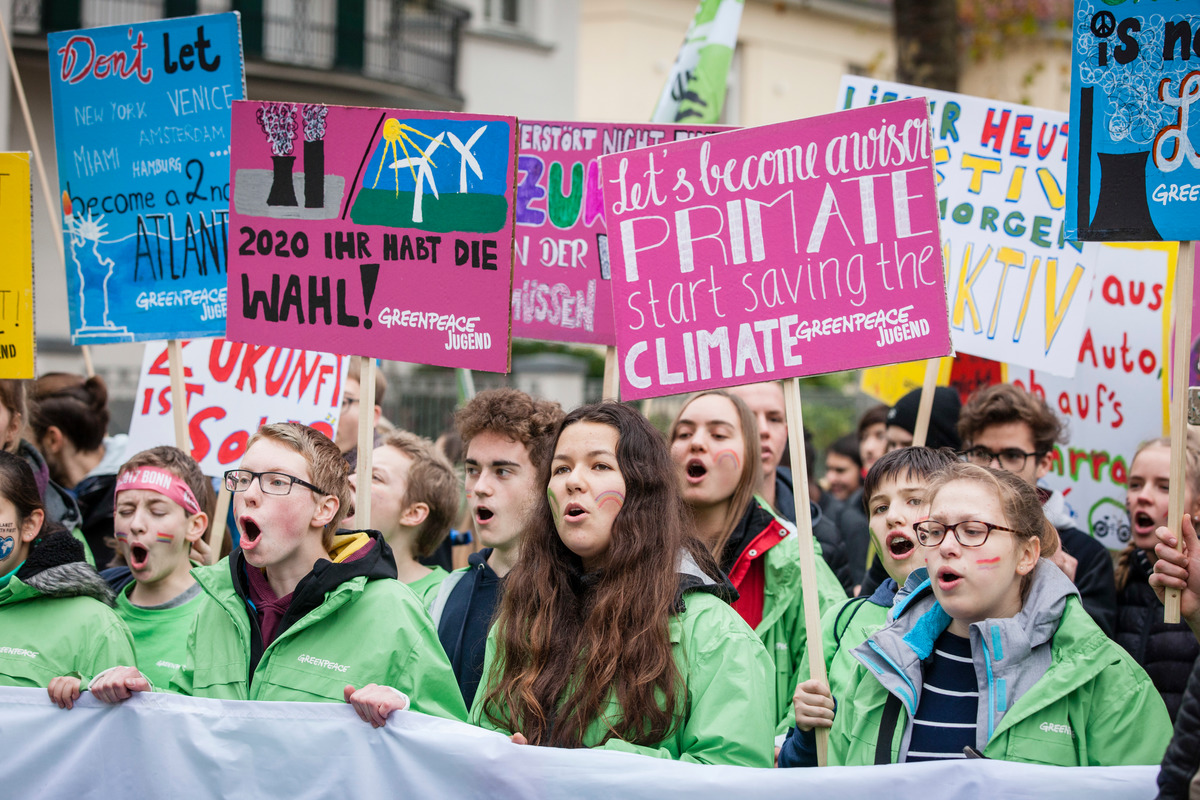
366, 439
612, 376
808, 555
51, 198
178, 395
216, 531
925, 408
1185, 271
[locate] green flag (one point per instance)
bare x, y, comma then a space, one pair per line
695, 90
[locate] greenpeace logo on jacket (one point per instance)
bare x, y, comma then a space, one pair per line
17, 651
321, 662
1050, 727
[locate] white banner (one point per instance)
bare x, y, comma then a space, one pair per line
162, 746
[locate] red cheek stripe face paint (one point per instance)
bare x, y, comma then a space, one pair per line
988, 563
165, 537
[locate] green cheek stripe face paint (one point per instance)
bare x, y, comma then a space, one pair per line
553, 504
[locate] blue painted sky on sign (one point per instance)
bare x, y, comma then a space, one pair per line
401, 146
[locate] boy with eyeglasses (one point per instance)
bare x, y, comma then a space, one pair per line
1005, 427
299, 612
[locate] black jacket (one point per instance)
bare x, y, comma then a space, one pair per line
1182, 761
463, 613
833, 547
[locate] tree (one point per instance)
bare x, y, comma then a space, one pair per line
927, 43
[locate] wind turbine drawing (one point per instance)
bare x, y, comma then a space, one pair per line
467, 158
423, 173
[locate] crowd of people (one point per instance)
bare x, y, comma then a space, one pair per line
633, 591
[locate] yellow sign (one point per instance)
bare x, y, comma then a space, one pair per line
17, 342
888, 384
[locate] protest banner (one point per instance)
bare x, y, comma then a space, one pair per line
964, 373
1018, 288
1118, 397
18, 340
1134, 171
232, 389
561, 287
189, 747
388, 234
141, 126
775, 252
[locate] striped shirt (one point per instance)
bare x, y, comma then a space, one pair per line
946, 716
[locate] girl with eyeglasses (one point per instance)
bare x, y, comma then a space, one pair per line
992, 655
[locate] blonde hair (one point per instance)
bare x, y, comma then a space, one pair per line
751, 477
325, 462
431, 480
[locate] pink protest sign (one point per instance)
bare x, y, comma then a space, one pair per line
375, 232
561, 286
786, 250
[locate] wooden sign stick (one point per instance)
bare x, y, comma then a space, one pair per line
216, 531
925, 408
612, 377
366, 439
1185, 270
808, 555
178, 395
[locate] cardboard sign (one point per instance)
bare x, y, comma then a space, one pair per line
141, 129
561, 287
1018, 289
233, 389
1134, 169
1118, 397
18, 343
791, 249
373, 232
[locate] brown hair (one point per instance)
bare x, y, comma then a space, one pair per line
751, 477
923, 462
19, 487
1018, 500
75, 405
876, 415
565, 646
1003, 403
329, 470
1191, 478
184, 467
514, 414
12, 397
431, 480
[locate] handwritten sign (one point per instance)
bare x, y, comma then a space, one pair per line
375, 232
232, 389
1134, 169
1018, 288
17, 338
141, 129
964, 373
1118, 397
791, 249
561, 287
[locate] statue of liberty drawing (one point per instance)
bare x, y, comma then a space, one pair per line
94, 270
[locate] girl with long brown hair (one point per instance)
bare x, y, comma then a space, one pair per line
614, 630
716, 455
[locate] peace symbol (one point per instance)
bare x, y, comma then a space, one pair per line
1103, 24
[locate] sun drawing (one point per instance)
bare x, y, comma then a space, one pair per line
395, 134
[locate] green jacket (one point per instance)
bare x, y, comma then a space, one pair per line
56, 620
846, 626
729, 715
1088, 704
782, 629
350, 623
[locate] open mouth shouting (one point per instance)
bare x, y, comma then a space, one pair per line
948, 579
1143, 522
139, 556
900, 546
574, 512
251, 533
695, 470
484, 515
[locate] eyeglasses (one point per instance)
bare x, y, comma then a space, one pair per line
277, 483
969, 533
348, 401
1010, 459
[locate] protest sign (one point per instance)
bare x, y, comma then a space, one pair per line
791, 249
1018, 289
1118, 397
561, 287
141, 127
375, 232
1134, 170
231, 390
964, 373
17, 337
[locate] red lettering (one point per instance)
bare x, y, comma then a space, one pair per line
1112, 291
1156, 304
200, 442
79, 60
1137, 292
1064, 403
1043, 147
1019, 146
1147, 361
1087, 346
322, 426
993, 132
1099, 459
274, 384
164, 400
222, 371
247, 373
232, 449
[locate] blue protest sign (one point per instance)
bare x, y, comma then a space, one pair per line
141, 127
1134, 172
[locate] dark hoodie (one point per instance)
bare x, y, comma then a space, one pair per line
834, 547
463, 613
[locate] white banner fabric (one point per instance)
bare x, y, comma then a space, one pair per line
166, 746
